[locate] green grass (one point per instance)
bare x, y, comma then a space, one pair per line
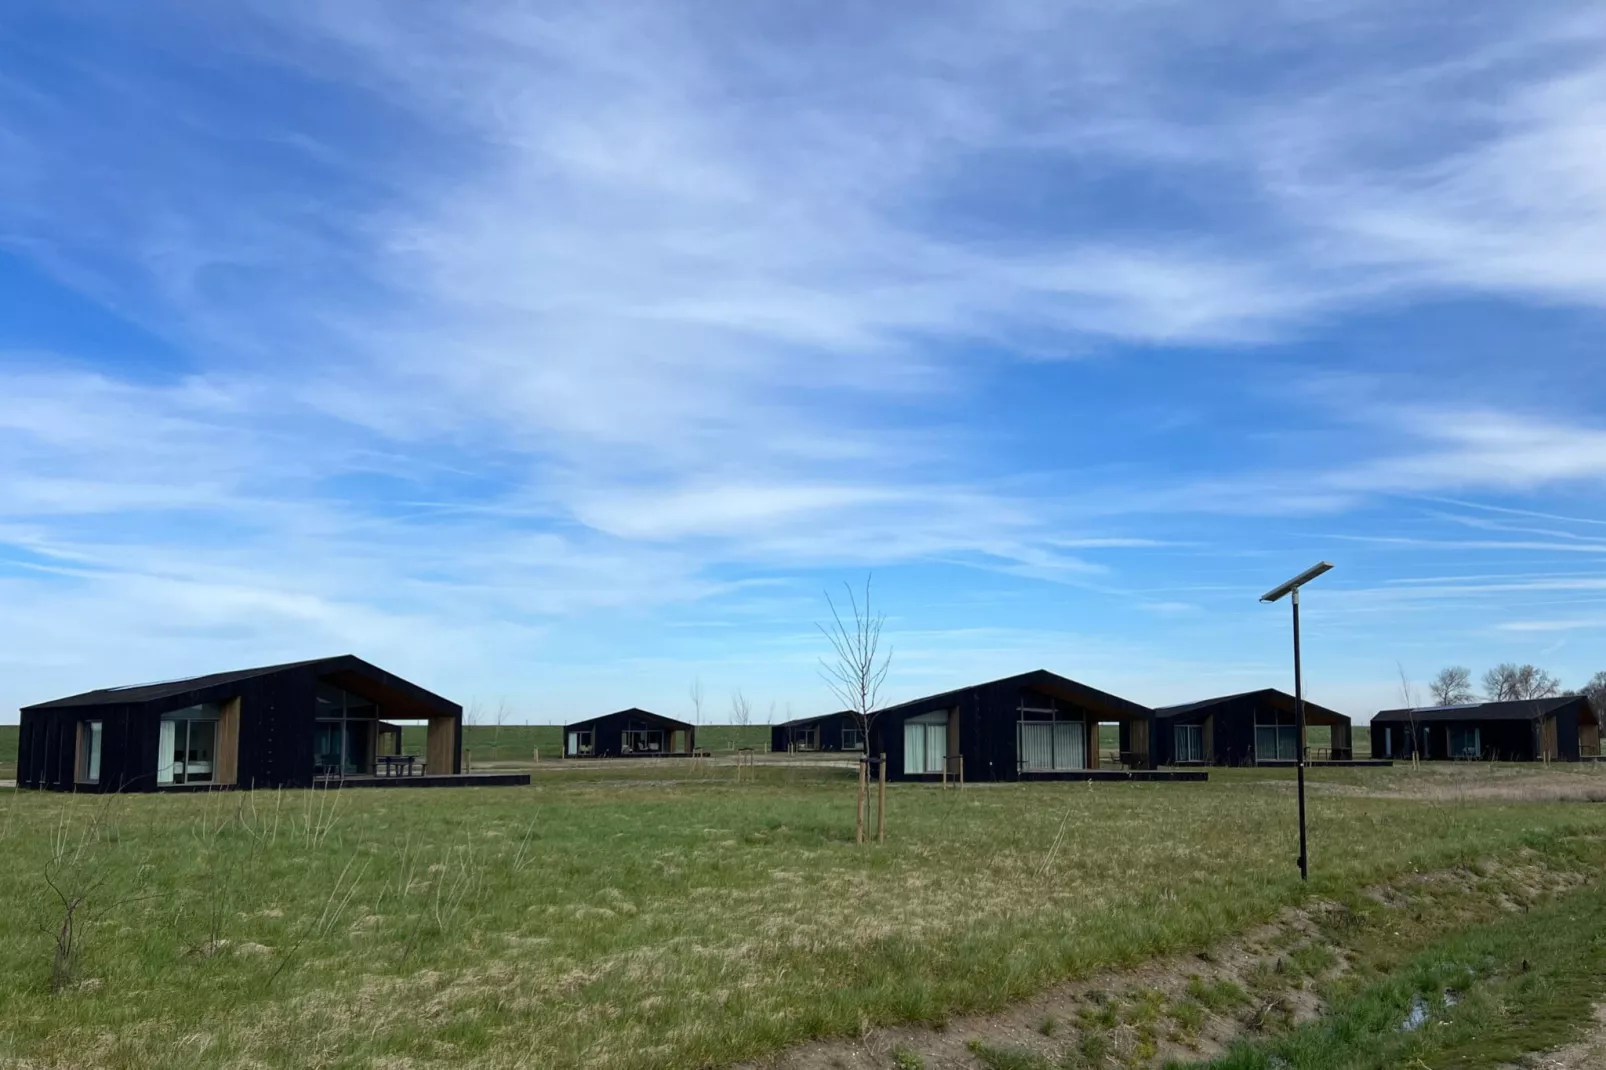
1486, 996
649, 915
8, 751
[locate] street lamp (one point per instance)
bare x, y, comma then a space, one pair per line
1274, 595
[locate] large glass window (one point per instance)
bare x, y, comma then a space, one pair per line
1048, 737
580, 744
1465, 742
852, 738
643, 741
186, 751
1188, 743
343, 743
1276, 743
925, 742
1276, 738
89, 735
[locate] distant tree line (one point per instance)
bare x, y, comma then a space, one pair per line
1509, 681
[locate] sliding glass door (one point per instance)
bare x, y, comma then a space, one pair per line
187, 749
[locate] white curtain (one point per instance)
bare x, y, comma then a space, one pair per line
94, 750
164, 752
924, 745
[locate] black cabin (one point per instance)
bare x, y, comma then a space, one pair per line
1037, 724
629, 733
840, 731
1565, 728
276, 726
1256, 727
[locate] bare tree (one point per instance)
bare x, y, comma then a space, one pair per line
474, 712
500, 718
1595, 691
1509, 681
695, 693
741, 709
858, 666
1411, 699
769, 718
1452, 687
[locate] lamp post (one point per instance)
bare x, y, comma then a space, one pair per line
1274, 595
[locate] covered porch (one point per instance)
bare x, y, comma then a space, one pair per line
358, 733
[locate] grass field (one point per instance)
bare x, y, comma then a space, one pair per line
8, 751
630, 915
517, 743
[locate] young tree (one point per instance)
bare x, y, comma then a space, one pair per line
499, 718
695, 692
858, 666
1408, 692
1595, 691
1452, 687
741, 709
1509, 681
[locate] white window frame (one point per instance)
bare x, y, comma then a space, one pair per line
853, 738
580, 743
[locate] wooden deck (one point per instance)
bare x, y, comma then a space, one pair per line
427, 780
1329, 763
1193, 775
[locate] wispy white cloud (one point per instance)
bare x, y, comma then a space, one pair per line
501, 313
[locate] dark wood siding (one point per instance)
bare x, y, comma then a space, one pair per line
988, 718
278, 712
608, 731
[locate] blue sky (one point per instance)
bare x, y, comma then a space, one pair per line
564, 357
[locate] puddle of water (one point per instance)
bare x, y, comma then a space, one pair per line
1417, 1018
1421, 1013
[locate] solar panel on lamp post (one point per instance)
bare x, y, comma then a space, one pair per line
1274, 595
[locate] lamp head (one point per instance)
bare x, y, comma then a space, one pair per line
1297, 582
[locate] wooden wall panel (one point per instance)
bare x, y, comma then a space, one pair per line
440, 746
228, 743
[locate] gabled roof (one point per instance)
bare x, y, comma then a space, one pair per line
634, 711
344, 669
1274, 695
794, 722
1528, 709
1042, 680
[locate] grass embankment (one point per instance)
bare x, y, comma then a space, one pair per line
645, 916
518, 742
1485, 996
9, 734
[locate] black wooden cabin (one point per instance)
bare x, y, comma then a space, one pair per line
632, 733
1036, 725
277, 726
1253, 728
1565, 728
840, 731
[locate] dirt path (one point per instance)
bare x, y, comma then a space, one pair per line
1587, 1054
1184, 1007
